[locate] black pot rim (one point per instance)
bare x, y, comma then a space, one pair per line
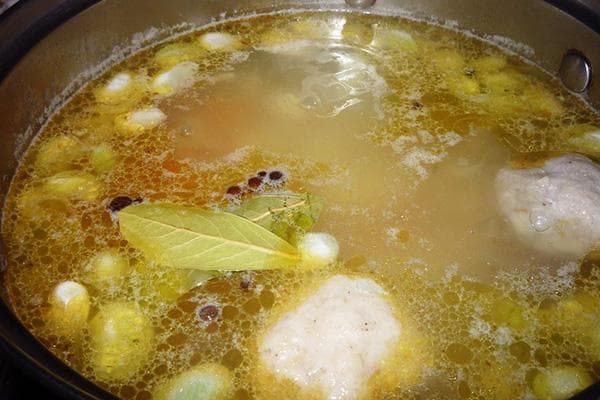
15, 340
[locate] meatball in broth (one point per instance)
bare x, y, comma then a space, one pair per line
338, 338
555, 208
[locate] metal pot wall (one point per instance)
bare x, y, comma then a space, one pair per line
49, 47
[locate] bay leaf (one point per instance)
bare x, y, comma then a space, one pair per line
194, 238
286, 214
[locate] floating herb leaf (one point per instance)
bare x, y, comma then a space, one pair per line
188, 237
287, 215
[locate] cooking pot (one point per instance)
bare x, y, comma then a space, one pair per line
49, 48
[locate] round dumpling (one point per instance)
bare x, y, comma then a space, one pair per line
556, 208
335, 340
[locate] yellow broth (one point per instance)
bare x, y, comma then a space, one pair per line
404, 150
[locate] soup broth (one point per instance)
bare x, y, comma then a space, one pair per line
399, 126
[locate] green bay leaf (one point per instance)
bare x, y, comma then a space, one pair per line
194, 238
284, 214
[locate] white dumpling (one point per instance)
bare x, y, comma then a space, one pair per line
556, 208
335, 340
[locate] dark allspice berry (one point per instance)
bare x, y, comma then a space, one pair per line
275, 175
234, 191
120, 202
208, 313
262, 174
246, 283
254, 183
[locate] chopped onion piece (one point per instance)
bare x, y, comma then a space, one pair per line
207, 381
70, 307
138, 121
107, 266
73, 184
121, 339
68, 293
393, 39
179, 77
560, 383
119, 82
148, 117
219, 41
318, 248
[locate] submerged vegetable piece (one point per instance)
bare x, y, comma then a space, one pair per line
497, 382
577, 318
509, 91
337, 339
489, 64
318, 249
452, 66
175, 53
204, 382
168, 284
107, 267
556, 208
76, 185
121, 340
117, 87
103, 158
490, 81
560, 383
193, 238
58, 154
178, 77
542, 101
393, 39
138, 121
507, 312
70, 307
449, 61
298, 32
309, 29
501, 83
357, 33
119, 83
463, 85
586, 138
122, 91
220, 41
34, 200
